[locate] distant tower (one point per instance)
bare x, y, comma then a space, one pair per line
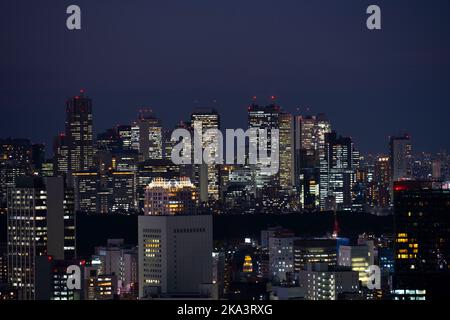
286, 150
267, 118
208, 174
400, 149
79, 133
147, 135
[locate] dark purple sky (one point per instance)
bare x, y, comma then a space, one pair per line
168, 54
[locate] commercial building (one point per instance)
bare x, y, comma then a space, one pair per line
175, 254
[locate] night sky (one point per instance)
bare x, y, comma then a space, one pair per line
174, 55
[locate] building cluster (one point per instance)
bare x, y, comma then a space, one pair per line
128, 170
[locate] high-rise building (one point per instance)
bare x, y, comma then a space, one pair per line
170, 197
27, 233
336, 173
175, 254
79, 133
286, 134
61, 219
422, 244
41, 222
122, 187
382, 179
15, 161
86, 186
400, 157
125, 133
265, 118
148, 133
310, 156
207, 175
61, 155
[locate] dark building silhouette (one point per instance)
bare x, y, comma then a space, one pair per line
422, 245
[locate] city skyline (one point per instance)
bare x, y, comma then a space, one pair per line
168, 56
219, 152
307, 111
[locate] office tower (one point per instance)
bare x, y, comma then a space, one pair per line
422, 244
61, 155
281, 256
61, 219
79, 133
41, 222
287, 167
321, 282
175, 254
336, 174
170, 197
310, 153
15, 161
121, 260
400, 157
382, 178
51, 279
27, 233
311, 251
358, 258
124, 133
207, 174
146, 135
86, 185
122, 187
266, 118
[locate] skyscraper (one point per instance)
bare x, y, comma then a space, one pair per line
266, 118
382, 177
400, 157
422, 244
40, 222
79, 133
27, 233
15, 160
175, 254
310, 157
148, 133
336, 172
207, 175
287, 167
60, 155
